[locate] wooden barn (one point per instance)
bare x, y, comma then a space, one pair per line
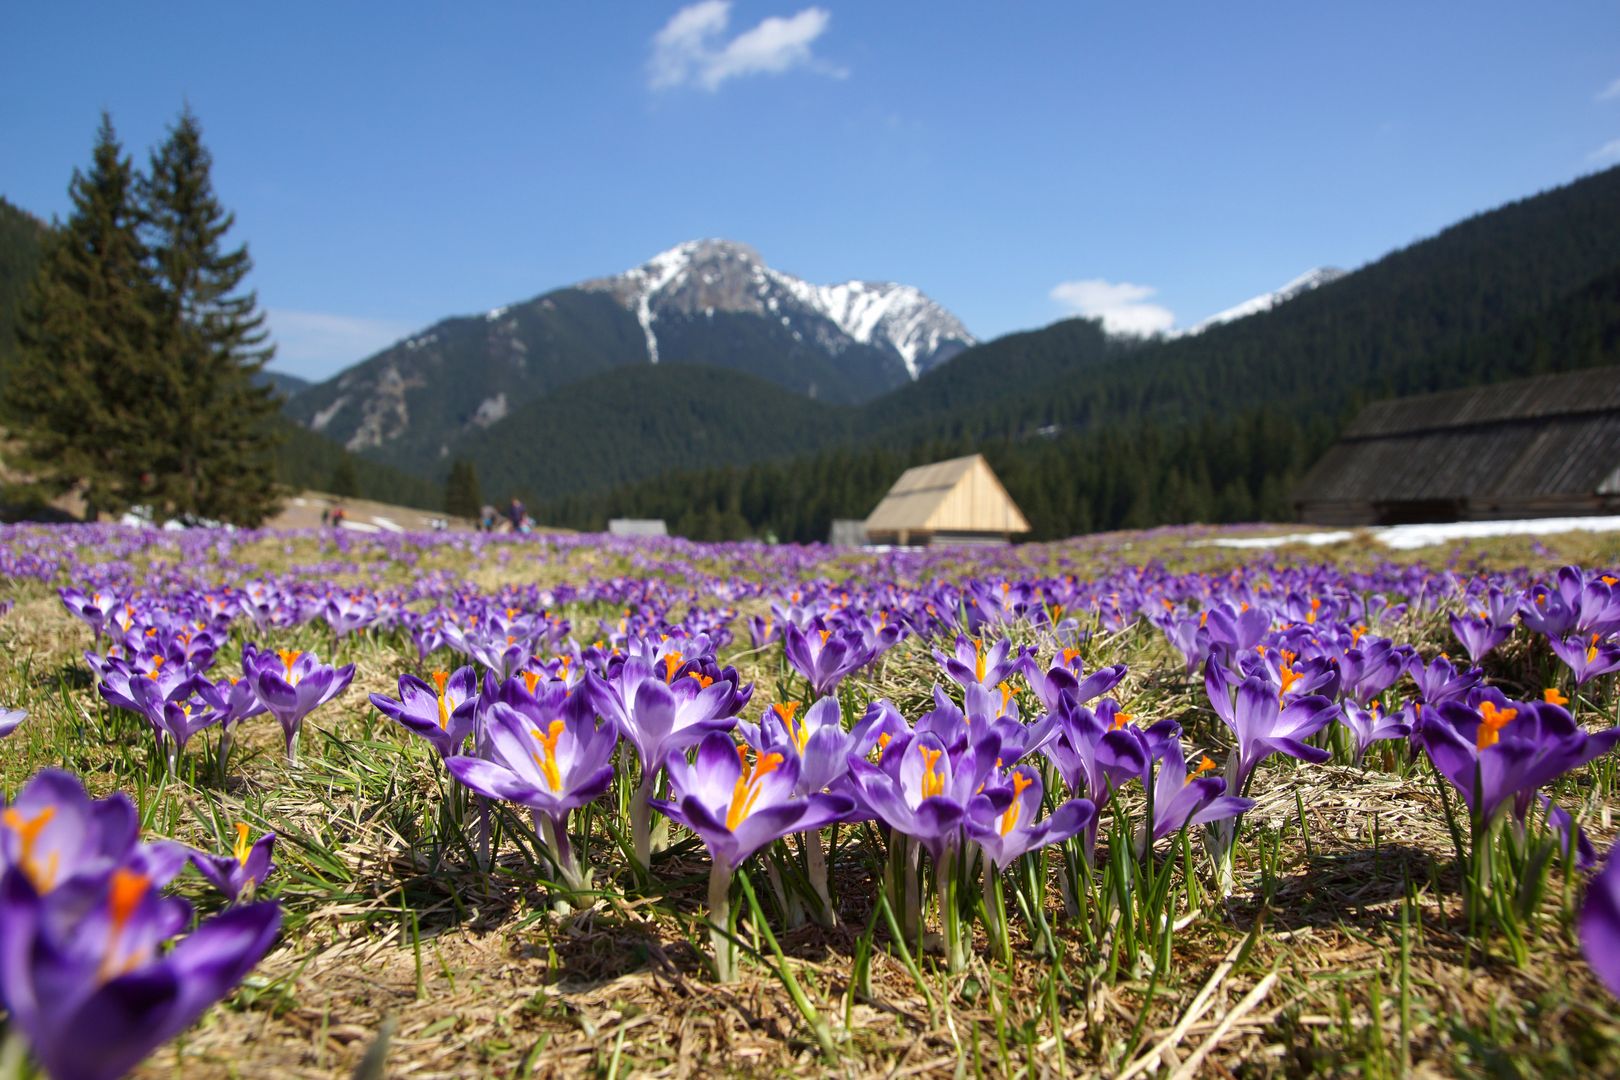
949, 502
1542, 447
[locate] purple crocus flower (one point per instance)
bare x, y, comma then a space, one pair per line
551, 757
1600, 925
921, 793
1479, 635
10, 719
233, 701
86, 983
659, 719
1372, 724
55, 834
1586, 658
1571, 836
1184, 798
738, 807
1498, 752
244, 869
1440, 681
1263, 725
969, 665
292, 684
1066, 677
825, 656
1006, 835
443, 713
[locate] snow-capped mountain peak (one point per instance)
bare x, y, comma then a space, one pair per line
705, 276
1311, 279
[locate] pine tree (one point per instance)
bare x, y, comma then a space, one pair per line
220, 456
84, 384
462, 497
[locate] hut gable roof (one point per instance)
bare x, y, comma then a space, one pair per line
1548, 436
960, 495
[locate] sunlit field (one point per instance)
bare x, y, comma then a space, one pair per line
1131, 805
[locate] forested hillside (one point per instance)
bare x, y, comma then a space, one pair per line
304, 459
1218, 426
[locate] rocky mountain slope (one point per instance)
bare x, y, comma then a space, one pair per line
709, 302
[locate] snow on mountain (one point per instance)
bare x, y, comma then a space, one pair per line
705, 276
1311, 279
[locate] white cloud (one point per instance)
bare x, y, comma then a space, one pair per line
692, 47
1611, 92
316, 345
1609, 151
1121, 306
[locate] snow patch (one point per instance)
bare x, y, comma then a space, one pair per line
1309, 280
1411, 537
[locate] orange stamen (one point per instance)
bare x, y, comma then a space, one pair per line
1205, 764
28, 830
748, 787
1491, 722
1010, 819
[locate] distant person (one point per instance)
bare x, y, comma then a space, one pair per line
339, 516
487, 517
516, 513
326, 517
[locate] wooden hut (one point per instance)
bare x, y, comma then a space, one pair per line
1542, 447
949, 502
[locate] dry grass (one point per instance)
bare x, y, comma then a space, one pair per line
462, 973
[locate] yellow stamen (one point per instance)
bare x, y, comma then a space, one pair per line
289, 657
978, 659
671, 662
531, 679
1007, 694
1552, 697
241, 849
548, 743
884, 739
748, 787
1010, 819
932, 783
1121, 719
703, 680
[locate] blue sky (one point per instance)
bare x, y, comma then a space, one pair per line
390, 165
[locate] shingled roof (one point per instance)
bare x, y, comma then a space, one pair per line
1545, 437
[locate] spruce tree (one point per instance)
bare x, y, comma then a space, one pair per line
220, 458
84, 385
462, 497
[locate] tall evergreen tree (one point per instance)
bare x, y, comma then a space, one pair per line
220, 455
462, 497
85, 384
